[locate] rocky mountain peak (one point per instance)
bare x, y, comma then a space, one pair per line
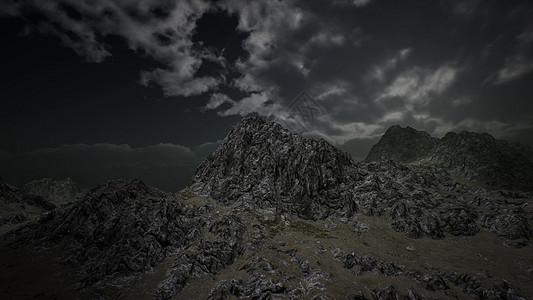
480, 157
474, 156
402, 144
468, 137
263, 165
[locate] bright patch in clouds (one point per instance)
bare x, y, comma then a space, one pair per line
418, 84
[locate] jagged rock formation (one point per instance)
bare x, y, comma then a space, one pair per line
57, 192
480, 157
123, 228
281, 216
425, 201
263, 165
473, 156
432, 280
402, 144
119, 227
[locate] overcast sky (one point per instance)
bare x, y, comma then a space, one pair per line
103, 89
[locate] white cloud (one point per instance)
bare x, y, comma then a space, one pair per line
136, 23
178, 79
339, 133
268, 23
464, 7
378, 72
216, 100
254, 103
360, 2
392, 116
461, 101
357, 3
514, 67
517, 64
333, 90
418, 84
327, 38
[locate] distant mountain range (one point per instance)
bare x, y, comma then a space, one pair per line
473, 156
273, 215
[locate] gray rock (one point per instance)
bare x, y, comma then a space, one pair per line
254, 287
509, 223
57, 192
473, 156
262, 165
14, 196
402, 144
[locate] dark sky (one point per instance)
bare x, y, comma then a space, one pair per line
100, 89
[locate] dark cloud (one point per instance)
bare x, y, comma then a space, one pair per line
160, 29
435, 65
372, 64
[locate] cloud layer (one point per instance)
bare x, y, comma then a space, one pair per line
436, 65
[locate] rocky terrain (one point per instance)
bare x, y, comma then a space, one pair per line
403, 145
472, 156
17, 207
264, 166
57, 192
273, 215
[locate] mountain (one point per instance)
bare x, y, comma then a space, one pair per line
57, 192
472, 156
273, 215
402, 144
263, 165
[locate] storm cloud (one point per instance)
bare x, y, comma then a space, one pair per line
438, 66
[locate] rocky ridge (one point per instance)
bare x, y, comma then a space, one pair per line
271, 214
123, 228
261, 165
472, 156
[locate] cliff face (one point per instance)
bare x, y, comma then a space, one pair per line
263, 165
473, 156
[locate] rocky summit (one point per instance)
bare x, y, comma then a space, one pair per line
402, 144
273, 215
472, 156
264, 166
